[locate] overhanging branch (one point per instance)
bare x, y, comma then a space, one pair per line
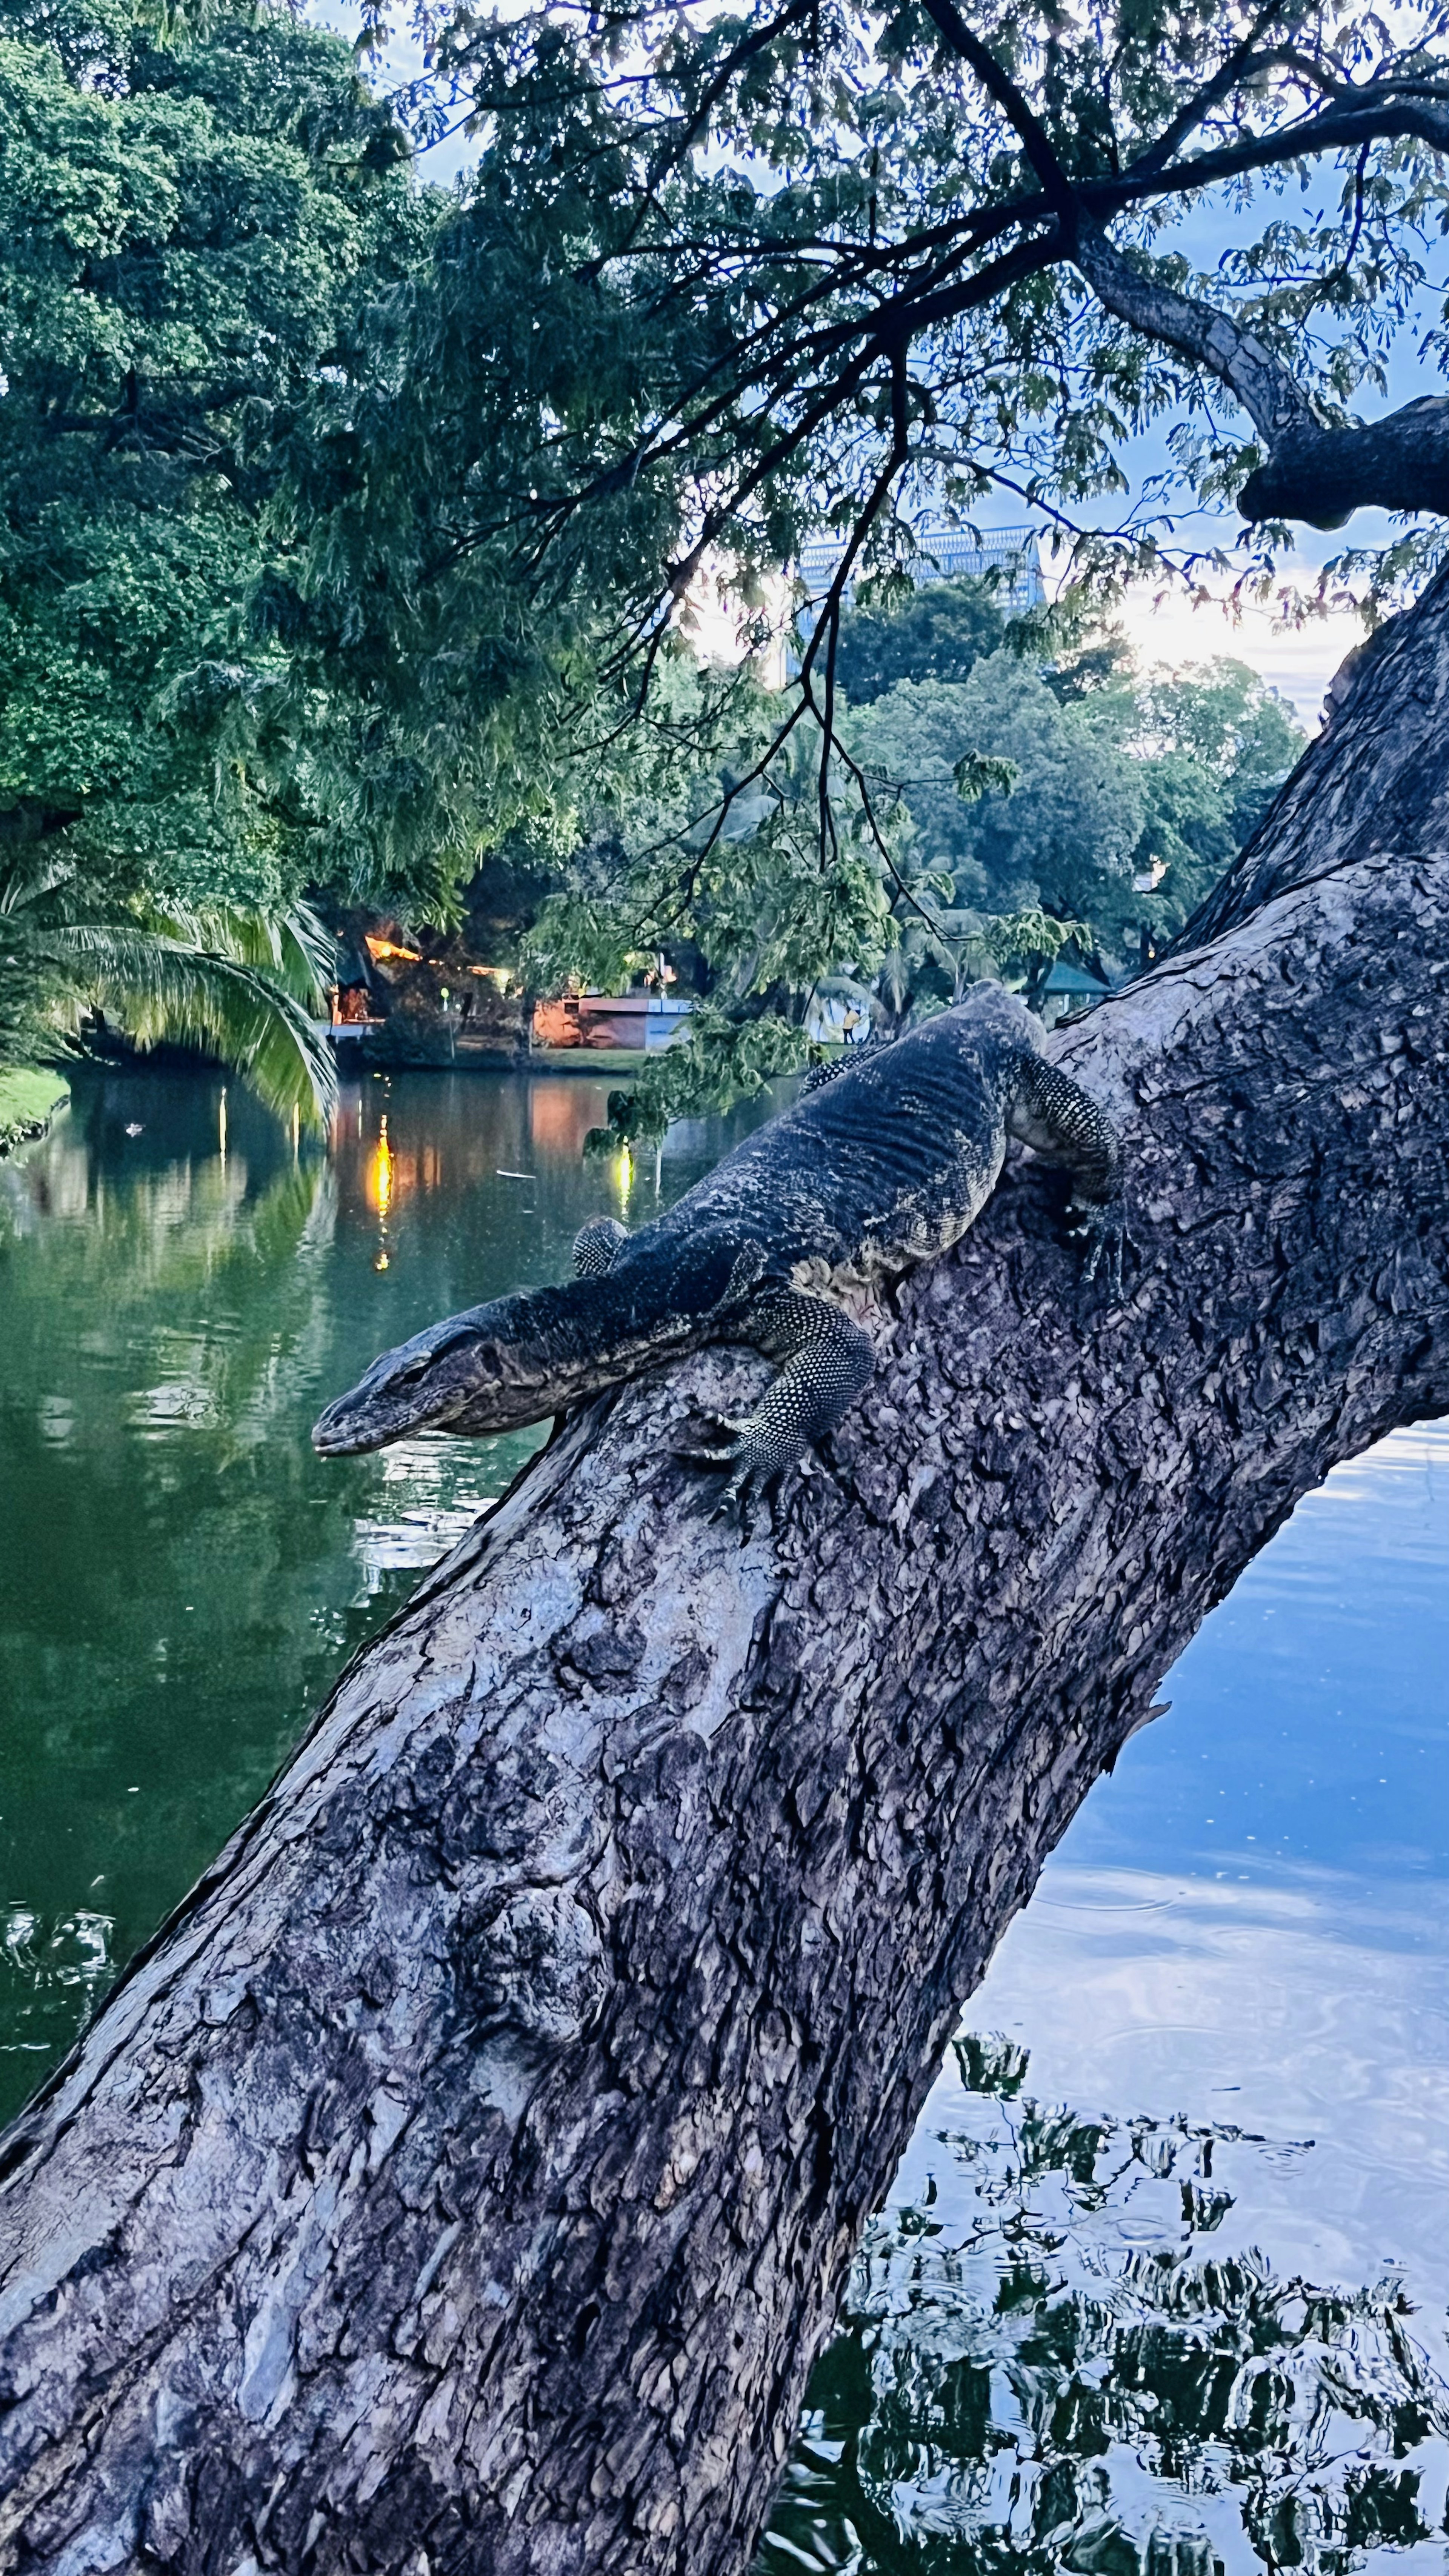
1056, 186
1196, 331
1315, 471
1322, 476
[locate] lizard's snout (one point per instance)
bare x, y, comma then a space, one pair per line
330, 1437
346, 1428
423, 1382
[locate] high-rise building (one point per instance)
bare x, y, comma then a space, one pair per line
952, 554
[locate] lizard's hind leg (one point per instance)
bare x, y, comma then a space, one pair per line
826, 1361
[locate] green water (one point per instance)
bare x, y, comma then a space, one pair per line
181, 1577
1161, 2286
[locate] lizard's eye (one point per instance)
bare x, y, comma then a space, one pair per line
428, 1359
415, 1369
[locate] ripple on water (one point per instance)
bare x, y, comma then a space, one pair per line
435, 1489
1083, 2339
1160, 2288
51, 1965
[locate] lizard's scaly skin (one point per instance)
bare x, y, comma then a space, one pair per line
881, 1167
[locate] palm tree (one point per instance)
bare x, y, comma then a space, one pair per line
241, 983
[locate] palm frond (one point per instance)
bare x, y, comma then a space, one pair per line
29, 875
166, 987
290, 947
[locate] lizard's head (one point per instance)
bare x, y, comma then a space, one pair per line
464, 1366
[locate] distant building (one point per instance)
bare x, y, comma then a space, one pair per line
952, 554
644, 1021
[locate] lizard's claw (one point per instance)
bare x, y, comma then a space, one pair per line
1102, 1233
720, 1450
752, 1463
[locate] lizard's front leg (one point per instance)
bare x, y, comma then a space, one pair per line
826, 1361
1059, 1120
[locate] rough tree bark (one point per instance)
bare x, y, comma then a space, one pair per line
466, 2177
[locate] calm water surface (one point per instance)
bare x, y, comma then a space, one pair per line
1163, 2279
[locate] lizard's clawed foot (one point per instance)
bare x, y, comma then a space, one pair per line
753, 1461
1102, 1233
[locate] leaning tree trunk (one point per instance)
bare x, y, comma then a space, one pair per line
467, 2175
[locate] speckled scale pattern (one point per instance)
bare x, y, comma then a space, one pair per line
596, 1244
880, 1168
827, 1361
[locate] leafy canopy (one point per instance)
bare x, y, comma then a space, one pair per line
1161, 775
939, 632
728, 277
194, 229
984, 825
725, 279
344, 529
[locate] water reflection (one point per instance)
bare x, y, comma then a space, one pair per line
183, 1283
381, 1172
64, 1951
1197, 2318
1053, 2360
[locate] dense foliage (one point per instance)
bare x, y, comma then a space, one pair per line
344, 522
194, 227
720, 282
1158, 777
980, 825
938, 632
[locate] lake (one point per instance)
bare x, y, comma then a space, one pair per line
1162, 2281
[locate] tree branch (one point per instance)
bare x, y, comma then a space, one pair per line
748, 50
1316, 472
1189, 117
1196, 331
1371, 781
1322, 475
1056, 186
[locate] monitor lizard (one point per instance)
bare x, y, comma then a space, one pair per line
872, 1171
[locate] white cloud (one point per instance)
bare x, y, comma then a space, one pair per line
1299, 660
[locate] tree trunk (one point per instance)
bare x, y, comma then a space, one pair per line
467, 2175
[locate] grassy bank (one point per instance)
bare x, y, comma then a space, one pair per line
29, 1098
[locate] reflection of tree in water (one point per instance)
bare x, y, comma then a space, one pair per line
1076, 2379
172, 1600
148, 1259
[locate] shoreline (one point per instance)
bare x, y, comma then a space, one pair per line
30, 1100
594, 1061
